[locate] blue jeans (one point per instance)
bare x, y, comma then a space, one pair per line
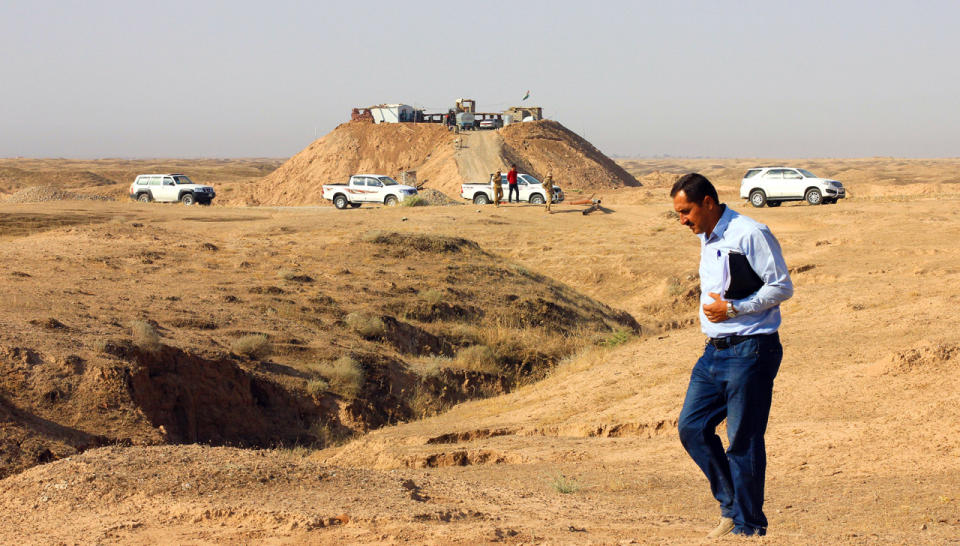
735, 383
513, 188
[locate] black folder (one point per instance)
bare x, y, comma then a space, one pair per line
744, 281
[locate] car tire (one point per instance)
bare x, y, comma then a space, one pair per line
340, 201
758, 198
188, 199
480, 199
354, 205
537, 199
144, 197
774, 203
391, 201
813, 196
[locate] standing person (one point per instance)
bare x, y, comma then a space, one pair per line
497, 180
743, 280
548, 190
512, 182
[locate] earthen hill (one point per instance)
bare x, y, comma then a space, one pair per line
442, 159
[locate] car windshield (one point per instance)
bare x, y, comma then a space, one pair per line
529, 179
182, 180
751, 172
387, 181
807, 174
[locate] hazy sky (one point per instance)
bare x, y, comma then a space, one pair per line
711, 78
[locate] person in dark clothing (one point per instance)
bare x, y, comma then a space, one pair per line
512, 182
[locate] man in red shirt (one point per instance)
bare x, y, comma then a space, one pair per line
512, 182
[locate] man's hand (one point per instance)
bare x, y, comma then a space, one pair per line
716, 311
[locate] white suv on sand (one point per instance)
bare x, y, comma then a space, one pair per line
773, 185
170, 188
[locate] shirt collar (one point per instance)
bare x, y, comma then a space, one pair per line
721, 227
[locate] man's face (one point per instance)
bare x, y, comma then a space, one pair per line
699, 217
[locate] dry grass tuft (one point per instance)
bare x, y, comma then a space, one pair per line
318, 387
477, 358
432, 296
344, 376
330, 434
564, 484
619, 337
368, 326
415, 201
254, 346
145, 335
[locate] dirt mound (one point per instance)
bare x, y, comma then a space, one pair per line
547, 146
308, 349
438, 198
39, 194
442, 160
927, 356
360, 147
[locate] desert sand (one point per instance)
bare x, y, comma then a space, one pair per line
566, 435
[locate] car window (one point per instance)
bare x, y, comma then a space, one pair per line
167, 181
156, 180
387, 181
751, 172
790, 174
807, 174
143, 180
359, 181
775, 174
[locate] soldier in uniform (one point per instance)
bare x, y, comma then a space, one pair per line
548, 190
495, 179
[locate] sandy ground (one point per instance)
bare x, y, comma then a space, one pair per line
863, 440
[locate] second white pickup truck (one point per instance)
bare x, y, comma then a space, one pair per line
531, 190
367, 188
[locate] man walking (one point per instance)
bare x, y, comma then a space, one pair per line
497, 180
743, 280
512, 182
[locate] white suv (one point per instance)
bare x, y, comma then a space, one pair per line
170, 188
773, 185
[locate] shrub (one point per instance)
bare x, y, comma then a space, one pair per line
617, 338
415, 201
432, 296
344, 376
563, 484
317, 387
368, 326
254, 346
145, 335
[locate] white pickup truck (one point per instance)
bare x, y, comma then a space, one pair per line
531, 190
367, 188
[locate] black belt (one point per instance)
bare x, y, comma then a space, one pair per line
727, 342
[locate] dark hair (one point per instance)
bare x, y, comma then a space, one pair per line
695, 187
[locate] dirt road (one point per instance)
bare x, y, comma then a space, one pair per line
479, 155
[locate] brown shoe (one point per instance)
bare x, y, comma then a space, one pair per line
723, 528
